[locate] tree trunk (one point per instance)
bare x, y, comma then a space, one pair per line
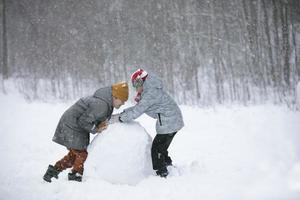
270, 62
4, 42
286, 45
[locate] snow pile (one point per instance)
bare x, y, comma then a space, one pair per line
294, 177
298, 94
121, 154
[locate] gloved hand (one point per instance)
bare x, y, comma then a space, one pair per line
102, 126
115, 119
138, 97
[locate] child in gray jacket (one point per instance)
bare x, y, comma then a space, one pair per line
153, 100
88, 115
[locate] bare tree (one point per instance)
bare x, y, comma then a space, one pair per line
4, 70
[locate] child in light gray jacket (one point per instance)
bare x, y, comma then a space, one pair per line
154, 101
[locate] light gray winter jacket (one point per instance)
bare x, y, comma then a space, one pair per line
156, 103
76, 124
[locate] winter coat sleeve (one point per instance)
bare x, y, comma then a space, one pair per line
148, 99
94, 115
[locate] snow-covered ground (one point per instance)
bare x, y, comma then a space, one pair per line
221, 153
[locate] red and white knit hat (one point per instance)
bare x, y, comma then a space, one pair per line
138, 77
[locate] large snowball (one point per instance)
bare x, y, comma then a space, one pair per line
121, 154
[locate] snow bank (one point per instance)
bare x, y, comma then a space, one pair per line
294, 177
298, 94
121, 154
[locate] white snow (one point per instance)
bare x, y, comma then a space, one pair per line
121, 154
298, 94
221, 153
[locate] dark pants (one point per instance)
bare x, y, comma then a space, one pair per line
159, 150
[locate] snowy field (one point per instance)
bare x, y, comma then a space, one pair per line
237, 153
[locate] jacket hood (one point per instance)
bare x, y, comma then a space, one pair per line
152, 81
105, 94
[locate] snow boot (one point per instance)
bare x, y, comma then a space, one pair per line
163, 172
50, 173
168, 161
74, 176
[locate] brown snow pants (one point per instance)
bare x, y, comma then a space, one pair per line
75, 159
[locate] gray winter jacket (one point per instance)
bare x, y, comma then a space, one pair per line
156, 103
76, 124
